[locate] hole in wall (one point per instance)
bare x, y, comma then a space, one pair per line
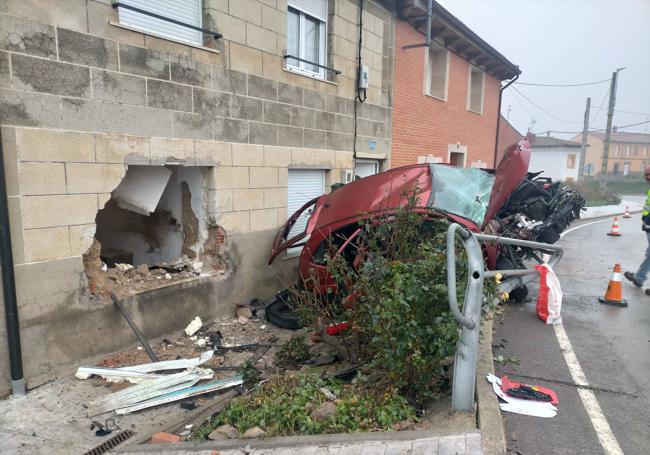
154, 231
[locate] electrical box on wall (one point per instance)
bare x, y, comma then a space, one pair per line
364, 75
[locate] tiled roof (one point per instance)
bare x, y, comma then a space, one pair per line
627, 138
547, 142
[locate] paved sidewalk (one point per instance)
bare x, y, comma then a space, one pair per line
461, 444
634, 203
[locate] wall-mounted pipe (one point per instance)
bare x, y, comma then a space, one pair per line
9, 287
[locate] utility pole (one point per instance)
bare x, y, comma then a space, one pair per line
583, 145
608, 131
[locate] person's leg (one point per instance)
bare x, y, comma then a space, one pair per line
642, 274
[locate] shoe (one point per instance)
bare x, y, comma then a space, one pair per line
630, 276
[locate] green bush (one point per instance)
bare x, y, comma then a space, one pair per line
283, 406
594, 195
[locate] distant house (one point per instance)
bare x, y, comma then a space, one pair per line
629, 153
507, 135
556, 158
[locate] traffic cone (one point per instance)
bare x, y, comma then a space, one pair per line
614, 293
627, 212
614, 232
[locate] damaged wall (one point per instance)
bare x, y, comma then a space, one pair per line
81, 100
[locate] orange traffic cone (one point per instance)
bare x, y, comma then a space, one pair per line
614, 293
614, 232
627, 212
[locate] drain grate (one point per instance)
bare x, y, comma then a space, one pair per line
111, 443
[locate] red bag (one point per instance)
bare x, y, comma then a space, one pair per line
549, 299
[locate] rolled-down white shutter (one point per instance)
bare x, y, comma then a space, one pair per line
186, 11
315, 8
304, 185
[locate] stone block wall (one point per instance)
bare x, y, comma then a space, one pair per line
82, 98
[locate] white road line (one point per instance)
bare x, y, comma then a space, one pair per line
582, 225
598, 420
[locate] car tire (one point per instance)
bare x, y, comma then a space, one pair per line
279, 314
519, 294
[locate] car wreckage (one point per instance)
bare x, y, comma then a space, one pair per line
508, 202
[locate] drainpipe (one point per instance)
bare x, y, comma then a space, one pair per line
496, 141
9, 287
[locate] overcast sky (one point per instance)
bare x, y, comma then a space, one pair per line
566, 42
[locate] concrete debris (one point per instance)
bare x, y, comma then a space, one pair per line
197, 267
252, 433
228, 431
324, 411
168, 276
201, 342
143, 269
123, 267
163, 437
243, 312
328, 393
193, 326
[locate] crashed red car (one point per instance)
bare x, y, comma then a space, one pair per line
509, 201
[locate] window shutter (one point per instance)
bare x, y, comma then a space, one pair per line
315, 8
187, 11
304, 185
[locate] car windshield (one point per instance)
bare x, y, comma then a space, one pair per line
461, 191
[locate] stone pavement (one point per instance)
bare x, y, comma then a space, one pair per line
460, 444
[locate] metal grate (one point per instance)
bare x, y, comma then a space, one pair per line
111, 443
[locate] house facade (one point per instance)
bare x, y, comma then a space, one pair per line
447, 94
629, 153
157, 160
555, 158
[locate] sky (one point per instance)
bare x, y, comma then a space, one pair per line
568, 42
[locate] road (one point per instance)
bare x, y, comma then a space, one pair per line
611, 344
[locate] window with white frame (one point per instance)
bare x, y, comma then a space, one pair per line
475, 89
306, 36
436, 69
186, 11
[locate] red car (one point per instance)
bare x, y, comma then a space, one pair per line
508, 201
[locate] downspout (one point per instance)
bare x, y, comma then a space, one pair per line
496, 141
9, 287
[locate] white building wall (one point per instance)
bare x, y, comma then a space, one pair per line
553, 162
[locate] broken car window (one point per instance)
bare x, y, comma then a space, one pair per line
461, 191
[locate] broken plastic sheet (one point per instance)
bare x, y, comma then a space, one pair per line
461, 191
521, 406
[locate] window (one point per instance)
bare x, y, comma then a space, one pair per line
306, 34
571, 161
616, 150
628, 150
304, 185
645, 151
437, 61
186, 11
475, 90
365, 168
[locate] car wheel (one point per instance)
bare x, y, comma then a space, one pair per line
279, 314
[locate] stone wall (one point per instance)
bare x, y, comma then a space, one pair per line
82, 98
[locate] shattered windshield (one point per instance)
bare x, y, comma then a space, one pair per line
461, 191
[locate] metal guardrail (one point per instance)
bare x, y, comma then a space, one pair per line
464, 381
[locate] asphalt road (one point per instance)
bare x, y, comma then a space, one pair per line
612, 345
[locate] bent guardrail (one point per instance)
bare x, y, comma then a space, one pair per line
464, 380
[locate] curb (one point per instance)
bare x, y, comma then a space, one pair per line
490, 423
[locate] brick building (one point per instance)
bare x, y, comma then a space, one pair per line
446, 95
131, 142
629, 153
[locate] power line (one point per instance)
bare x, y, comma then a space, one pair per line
541, 108
630, 112
524, 106
562, 85
600, 107
599, 130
